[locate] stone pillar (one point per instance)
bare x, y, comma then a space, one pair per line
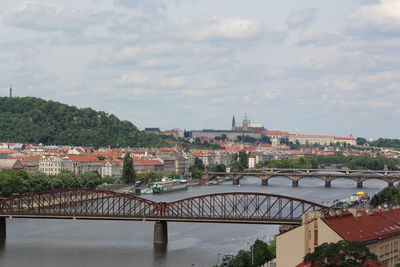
359, 184
327, 183
295, 183
2, 228
390, 183
264, 182
160, 232
235, 181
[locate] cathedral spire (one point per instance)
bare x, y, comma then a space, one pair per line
233, 122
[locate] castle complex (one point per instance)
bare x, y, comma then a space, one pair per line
258, 131
246, 125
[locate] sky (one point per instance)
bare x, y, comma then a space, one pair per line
312, 66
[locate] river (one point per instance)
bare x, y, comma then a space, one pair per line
79, 243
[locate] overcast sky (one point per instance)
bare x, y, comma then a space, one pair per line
322, 67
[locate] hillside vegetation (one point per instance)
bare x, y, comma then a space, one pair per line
35, 120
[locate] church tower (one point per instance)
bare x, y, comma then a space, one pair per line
245, 124
233, 123
10, 90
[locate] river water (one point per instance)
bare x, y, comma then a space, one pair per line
65, 243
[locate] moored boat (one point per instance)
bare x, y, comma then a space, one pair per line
166, 185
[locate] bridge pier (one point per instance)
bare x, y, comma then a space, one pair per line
235, 181
295, 183
264, 182
160, 232
359, 184
2, 228
327, 183
390, 183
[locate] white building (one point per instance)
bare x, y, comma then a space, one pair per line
54, 165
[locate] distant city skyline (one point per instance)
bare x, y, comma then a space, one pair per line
322, 67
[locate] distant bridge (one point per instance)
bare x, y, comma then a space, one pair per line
250, 208
295, 175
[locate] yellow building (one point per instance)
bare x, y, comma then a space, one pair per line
379, 230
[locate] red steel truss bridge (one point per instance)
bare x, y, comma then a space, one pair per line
245, 207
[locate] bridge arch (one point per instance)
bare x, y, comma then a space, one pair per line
236, 180
335, 181
313, 177
275, 176
376, 181
252, 207
79, 202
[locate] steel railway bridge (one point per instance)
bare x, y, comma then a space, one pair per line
87, 204
295, 175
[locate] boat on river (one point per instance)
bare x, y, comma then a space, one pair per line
168, 185
354, 200
146, 190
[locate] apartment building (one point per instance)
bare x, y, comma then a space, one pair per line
378, 230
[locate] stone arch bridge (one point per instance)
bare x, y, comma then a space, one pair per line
359, 176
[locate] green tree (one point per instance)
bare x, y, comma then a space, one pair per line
196, 172
389, 195
198, 163
244, 159
35, 120
236, 166
12, 181
342, 253
242, 259
217, 168
38, 182
261, 252
70, 180
107, 179
91, 180
128, 171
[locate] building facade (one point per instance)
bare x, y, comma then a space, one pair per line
54, 165
378, 230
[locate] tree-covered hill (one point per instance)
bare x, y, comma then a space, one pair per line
35, 120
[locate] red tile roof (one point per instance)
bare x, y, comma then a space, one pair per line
345, 138
364, 228
7, 151
274, 133
311, 136
147, 162
366, 263
27, 158
83, 158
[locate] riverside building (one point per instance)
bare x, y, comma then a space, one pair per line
378, 230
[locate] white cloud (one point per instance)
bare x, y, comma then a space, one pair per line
147, 5
133, 79
380, 77
139, 92
172, 82
42, 17
191, 93
270, 94
119, 56
227, 29
380, 19
316, 62
302, 17
150, 81
319, 38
